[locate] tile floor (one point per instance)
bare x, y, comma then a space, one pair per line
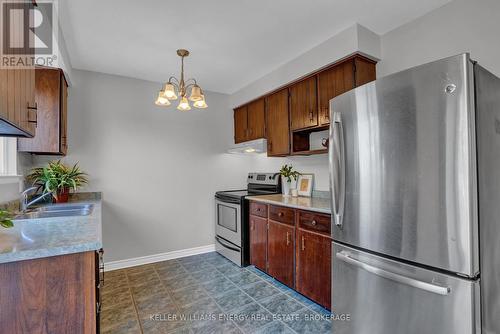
205, 294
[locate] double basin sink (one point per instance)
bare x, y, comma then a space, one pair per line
58, 210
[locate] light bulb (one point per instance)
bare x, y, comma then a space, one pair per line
184, 104
170, 91
161, 100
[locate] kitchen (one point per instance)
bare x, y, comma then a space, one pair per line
157, 170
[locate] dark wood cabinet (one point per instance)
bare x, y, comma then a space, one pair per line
256, 120
17, 84
280, 250
51, 91
313, 266
333, 82
277, 124
295, 112
258, 242
303, 104
294, 247
240, 124
249, 121
49, 295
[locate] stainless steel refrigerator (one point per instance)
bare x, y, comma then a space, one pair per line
415, 182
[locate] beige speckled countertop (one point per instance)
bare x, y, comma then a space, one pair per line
316, 204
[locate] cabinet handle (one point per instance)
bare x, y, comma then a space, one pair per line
303, 243
35, 106
311, 116
252, 225
287, 238
313, 223
280, 214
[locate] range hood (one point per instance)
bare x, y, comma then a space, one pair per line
8, 129
249, 147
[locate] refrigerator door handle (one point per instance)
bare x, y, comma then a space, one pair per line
338, 177
437, 289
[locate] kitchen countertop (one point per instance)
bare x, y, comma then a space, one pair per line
38, 238
317, 204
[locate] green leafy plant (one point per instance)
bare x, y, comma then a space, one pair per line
56, 177
6, 219
288, 173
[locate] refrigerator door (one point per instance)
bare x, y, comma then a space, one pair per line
380, 296
403, 168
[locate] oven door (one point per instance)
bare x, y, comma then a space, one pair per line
228, 220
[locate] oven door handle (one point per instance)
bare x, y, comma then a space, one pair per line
224, 244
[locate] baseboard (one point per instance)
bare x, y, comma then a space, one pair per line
137, 261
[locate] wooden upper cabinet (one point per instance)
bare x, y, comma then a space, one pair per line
17, 98
240, 124
277, 124
313, 267
256, 120
333, 82
249, 121
51, 127
303, 104
365, 71
281, 246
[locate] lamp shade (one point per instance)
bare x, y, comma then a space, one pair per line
184, 104
161, 100
201, 103
195, 93
170, 91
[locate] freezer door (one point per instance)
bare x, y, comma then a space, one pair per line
403, 168
374, 295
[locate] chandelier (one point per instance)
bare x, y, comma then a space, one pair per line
179, 88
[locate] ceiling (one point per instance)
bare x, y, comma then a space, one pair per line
232, 42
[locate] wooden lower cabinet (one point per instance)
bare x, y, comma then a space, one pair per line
258, 242
280, 251
50, 295
295, 250
313, 266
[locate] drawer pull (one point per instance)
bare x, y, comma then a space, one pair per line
280, 214
313, 223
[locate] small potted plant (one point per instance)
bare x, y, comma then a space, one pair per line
287, 174
58, 179
6, 219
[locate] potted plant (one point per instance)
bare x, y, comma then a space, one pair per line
287, 173
58, 179
6, 219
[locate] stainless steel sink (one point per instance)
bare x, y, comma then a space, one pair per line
58, 210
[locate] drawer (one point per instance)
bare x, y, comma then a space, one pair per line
315, 222
282, 214
258, 209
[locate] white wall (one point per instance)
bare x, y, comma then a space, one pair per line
460, 26
158, 168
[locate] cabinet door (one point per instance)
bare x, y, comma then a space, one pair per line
240, 124
256, 120
333, 82
303, 104
280, 263
258, 242
277, 124
365, 71
48, 98
313, 268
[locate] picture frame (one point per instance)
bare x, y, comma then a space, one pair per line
305, 184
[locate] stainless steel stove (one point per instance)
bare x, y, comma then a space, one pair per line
231, 216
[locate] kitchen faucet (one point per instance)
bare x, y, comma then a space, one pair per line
24, 198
